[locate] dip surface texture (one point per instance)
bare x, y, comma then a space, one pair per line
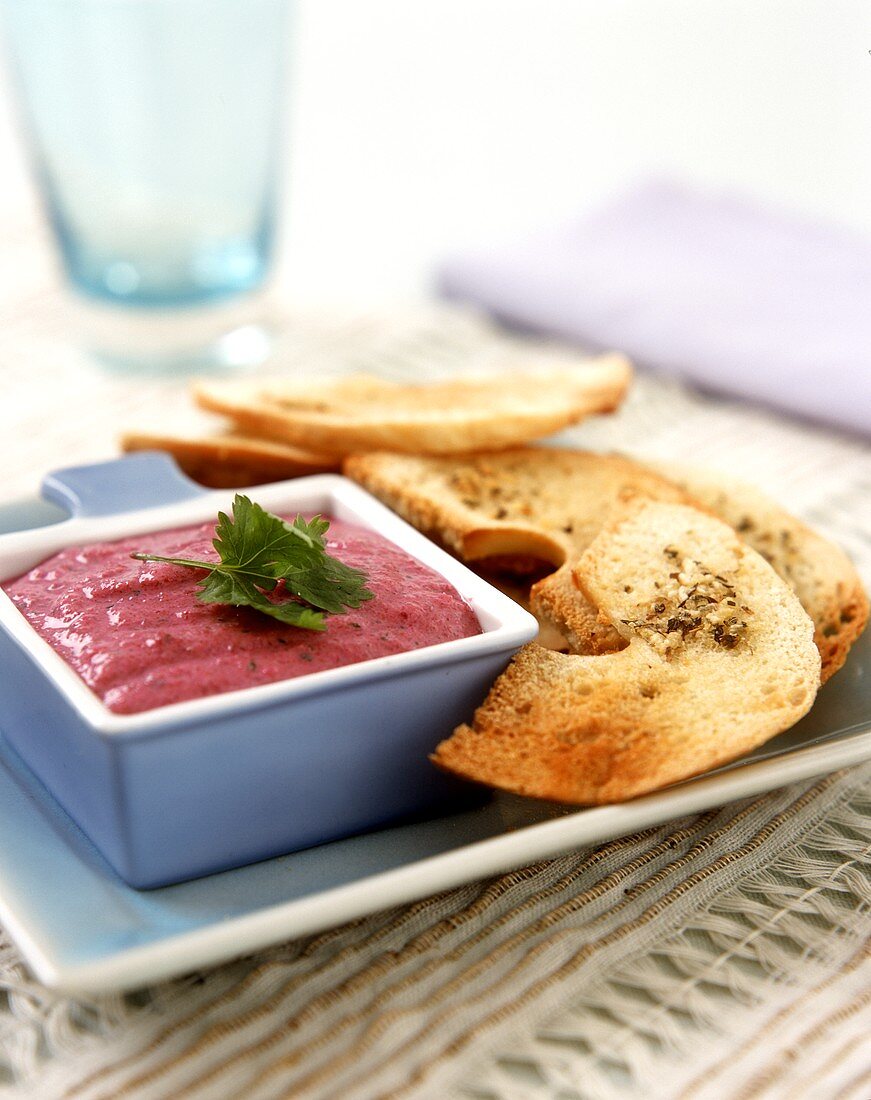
139, 637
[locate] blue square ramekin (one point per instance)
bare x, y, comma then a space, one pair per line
200, 786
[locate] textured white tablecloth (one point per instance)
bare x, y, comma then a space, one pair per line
720, 956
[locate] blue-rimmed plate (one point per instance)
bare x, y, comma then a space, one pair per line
81, 928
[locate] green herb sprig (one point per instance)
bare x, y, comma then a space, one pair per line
258, 550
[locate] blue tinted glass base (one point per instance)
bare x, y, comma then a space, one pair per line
209, 274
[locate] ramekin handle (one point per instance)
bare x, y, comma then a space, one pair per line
142, 480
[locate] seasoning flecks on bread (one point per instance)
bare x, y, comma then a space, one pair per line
530, 503
822, 576
687, 693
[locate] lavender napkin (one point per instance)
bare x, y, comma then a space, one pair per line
735, 297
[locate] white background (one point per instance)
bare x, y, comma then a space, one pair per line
420, 128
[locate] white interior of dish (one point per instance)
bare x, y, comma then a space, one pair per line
504, 624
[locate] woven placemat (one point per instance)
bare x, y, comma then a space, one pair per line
722, 955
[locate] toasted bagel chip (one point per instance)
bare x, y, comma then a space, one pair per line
361, 412
230, 460
719, 658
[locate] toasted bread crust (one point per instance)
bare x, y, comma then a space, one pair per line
230, 460
362, 412
559, 603
679, 699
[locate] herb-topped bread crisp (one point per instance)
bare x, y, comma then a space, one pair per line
719, 657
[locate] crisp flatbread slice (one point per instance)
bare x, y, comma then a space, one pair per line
544, 504
720, 658
362, 412
230, 460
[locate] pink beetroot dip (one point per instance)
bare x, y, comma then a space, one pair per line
139, 638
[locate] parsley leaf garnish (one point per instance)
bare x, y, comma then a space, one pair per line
258, 551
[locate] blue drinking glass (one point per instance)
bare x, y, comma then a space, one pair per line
154, 128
